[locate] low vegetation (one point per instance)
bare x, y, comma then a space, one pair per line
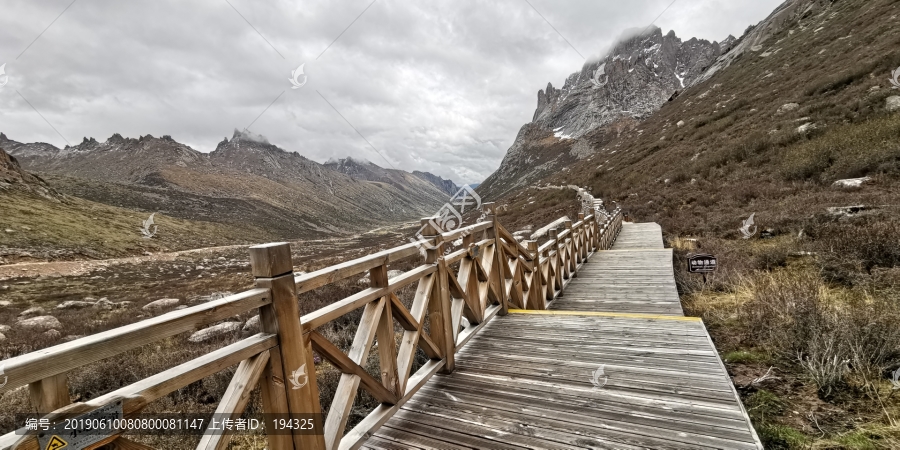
822, 320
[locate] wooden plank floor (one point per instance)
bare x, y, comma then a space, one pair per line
527, 380
635, 276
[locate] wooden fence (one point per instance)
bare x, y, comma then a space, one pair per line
490, 273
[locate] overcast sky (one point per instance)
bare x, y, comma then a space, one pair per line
439, 86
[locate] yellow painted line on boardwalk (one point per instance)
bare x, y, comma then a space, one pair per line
605, 314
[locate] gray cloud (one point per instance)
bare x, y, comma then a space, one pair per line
435, 86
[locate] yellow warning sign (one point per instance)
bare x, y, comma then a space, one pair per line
56, 443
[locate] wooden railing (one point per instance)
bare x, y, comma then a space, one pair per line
489, 274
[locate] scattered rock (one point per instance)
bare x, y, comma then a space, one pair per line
852, 182
200, 267
211, 297
364, 281
2, 337
845, 210
73, 304
806, 127
104, 304
72, 337
43, 322
4, 328
893, 103
252, 324
787, 107
680, 123
215, 331
161, 303
52, 334
180, 307
4, 303
33, 311
394, 273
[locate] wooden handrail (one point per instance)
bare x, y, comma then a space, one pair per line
490, 273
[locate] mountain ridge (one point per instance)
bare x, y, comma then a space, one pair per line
246, 172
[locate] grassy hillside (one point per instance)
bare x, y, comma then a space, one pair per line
36, 228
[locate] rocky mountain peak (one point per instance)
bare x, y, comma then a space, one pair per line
641, 72
634, 79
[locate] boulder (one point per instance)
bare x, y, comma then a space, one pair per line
845, 210
893, 103
52, 334
40, 322
806, 127
73, 304
161, 303
680, 123
33, 311
252, 324
215, 331
787, 107
104, 304
852, 182
4, 328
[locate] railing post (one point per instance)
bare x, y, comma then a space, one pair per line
440, 317
49, 394
535, 300
289, 383
555, 260
498, 273
570, 247
584, 238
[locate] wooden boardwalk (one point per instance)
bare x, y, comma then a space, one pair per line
634, 276
613, 364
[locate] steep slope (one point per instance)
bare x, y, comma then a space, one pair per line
447, 186
13, 178
805, 105
635, 79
